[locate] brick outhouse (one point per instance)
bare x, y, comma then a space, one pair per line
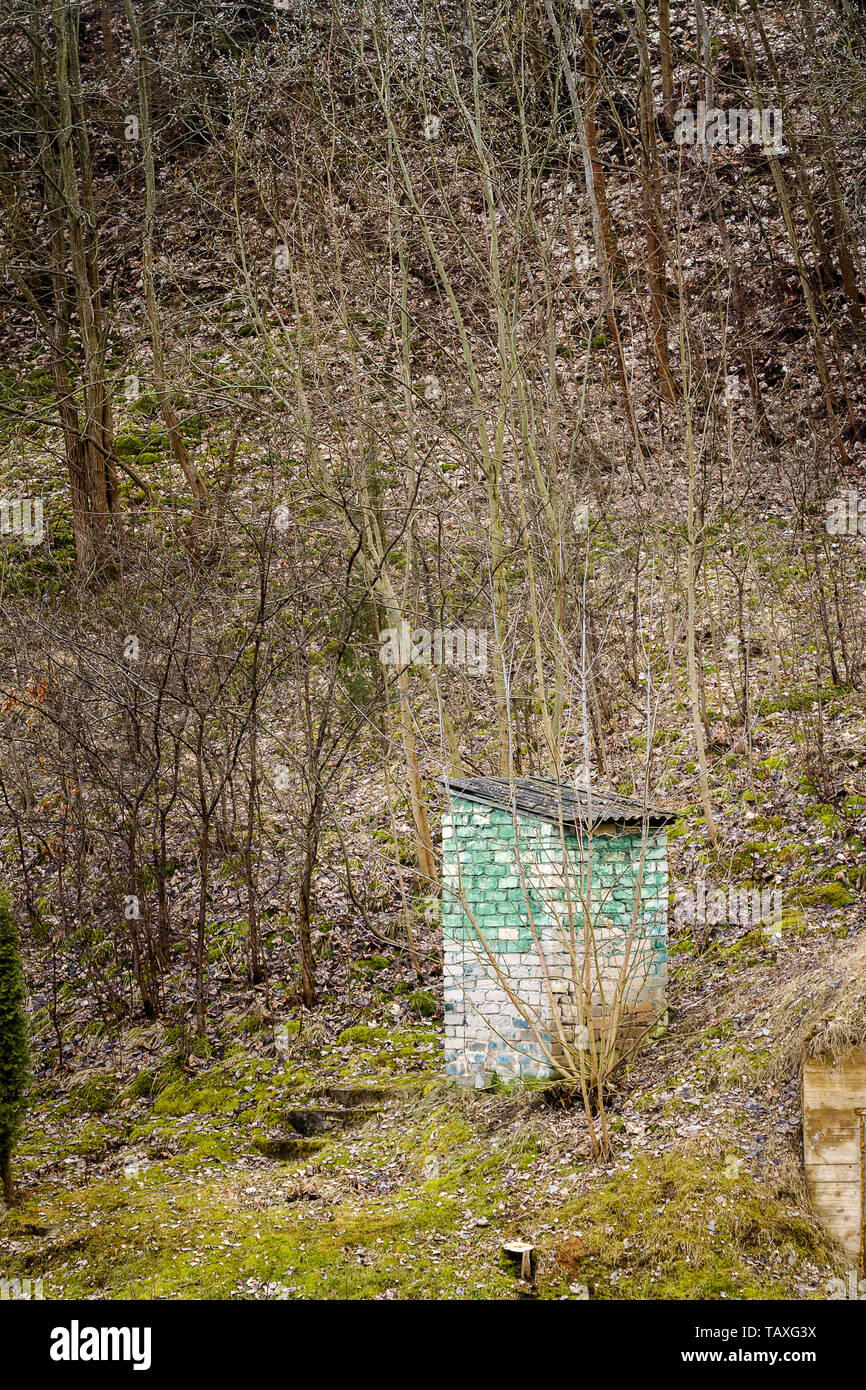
526, 864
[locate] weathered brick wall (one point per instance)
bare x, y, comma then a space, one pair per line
510, 896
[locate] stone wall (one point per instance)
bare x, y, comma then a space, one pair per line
515, 893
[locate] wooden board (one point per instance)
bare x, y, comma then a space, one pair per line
832, 1095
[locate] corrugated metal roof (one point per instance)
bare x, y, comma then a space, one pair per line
550, 801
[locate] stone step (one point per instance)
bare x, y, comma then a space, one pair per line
352, 1096
325, 1119
288, 1147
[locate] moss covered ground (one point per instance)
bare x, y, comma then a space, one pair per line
157, 1187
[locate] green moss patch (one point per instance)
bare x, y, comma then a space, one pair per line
678, 1227
829, 895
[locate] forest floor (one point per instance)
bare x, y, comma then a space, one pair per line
290, 1154
298, 1154
294, 1167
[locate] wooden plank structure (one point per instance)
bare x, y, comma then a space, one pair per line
834, 1139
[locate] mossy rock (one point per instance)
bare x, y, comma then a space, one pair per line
829, 895
771, 823
681, 945
143, 1085
423, 1003
93, 1096
855, 876
751, 857
362, 1033
777, 763
823, 812
170, 1072
252, 1023
196, 1096
678, 830
369, 965
291, 1028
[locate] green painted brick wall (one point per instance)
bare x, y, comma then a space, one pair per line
510, 882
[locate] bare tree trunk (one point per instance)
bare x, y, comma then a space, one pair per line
426, 861
781, 185
74, 273
256, 971
305, 889
666, 63
169, 415
204, 869
602, 227
656, 270
80, 221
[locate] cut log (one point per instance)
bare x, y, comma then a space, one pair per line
522, 1253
